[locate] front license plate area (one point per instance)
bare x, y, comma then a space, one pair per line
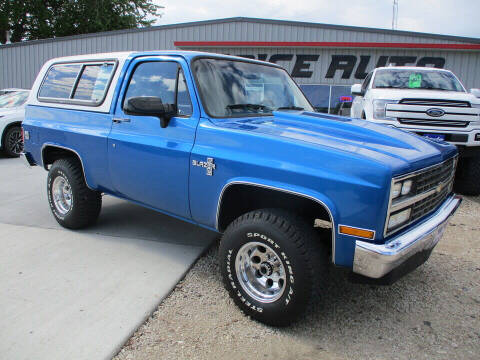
435, 136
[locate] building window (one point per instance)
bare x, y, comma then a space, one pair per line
329, 99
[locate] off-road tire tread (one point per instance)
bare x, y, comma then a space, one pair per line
88, 203
467, 177
313, 250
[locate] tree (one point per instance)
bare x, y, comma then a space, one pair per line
40, 19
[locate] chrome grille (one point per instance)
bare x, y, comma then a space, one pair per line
430, 178
431, 186
435, 102
427, 122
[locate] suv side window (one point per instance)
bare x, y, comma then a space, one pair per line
84, 84
366, 82
93, 82
161, 79
59, 81
184, 104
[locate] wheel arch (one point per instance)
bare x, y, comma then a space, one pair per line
52, 152
288, 198
5, 130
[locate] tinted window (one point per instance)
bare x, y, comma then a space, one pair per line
93, 82
366, 82
59, 81
184, 103
236, 88
154, 79
416, 79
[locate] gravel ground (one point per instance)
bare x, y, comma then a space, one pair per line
432, 313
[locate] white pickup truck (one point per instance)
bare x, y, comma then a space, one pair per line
430, 102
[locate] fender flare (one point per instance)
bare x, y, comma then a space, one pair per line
319, 198
45, 145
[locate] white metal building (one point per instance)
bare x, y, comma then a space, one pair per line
323, 58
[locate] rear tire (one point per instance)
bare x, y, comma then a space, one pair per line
13, 143
467, 177
72, 203
272, 263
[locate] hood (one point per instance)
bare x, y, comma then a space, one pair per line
399, 150
398, 94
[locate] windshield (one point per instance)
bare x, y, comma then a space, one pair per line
235, 88
416, 79
14, 99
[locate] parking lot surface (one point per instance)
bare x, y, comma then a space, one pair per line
81, 294
432, 313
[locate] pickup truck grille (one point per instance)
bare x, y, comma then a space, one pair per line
417, 112
435, 102
431, 186
442, 123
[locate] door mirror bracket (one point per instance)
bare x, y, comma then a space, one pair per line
150, 106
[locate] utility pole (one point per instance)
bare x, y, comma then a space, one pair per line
395, 15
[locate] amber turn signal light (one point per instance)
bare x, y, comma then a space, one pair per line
347, 230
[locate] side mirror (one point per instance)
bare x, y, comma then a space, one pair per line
357, 90
475, 92
150, 106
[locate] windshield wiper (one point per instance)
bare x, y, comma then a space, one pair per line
248, 106
290, 108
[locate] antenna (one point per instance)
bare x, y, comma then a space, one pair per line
395, 15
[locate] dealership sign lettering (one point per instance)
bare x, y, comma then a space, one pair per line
347, 65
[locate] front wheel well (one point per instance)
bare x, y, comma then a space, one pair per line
9, 126
239, 199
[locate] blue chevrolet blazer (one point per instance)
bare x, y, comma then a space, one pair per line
233, 145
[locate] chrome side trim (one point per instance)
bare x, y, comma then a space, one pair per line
69, 149
377, 260
282, 190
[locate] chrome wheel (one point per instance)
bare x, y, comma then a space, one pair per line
260, 272
14, 141
62, 195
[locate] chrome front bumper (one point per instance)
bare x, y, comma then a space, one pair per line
377, 260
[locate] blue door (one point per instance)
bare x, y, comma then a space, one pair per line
149, 164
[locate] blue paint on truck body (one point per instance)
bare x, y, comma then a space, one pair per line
345, 164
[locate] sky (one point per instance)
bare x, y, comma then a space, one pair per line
451, 17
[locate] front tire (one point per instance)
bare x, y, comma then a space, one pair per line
467, 177
72, 203
272, 263
13, 142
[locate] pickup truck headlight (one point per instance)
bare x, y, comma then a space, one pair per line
399, 218
379, 109
401, 188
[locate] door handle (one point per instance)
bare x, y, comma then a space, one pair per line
120, 120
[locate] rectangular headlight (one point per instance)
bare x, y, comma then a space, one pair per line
380, 109
399, 218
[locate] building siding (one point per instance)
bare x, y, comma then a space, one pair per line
21, 62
